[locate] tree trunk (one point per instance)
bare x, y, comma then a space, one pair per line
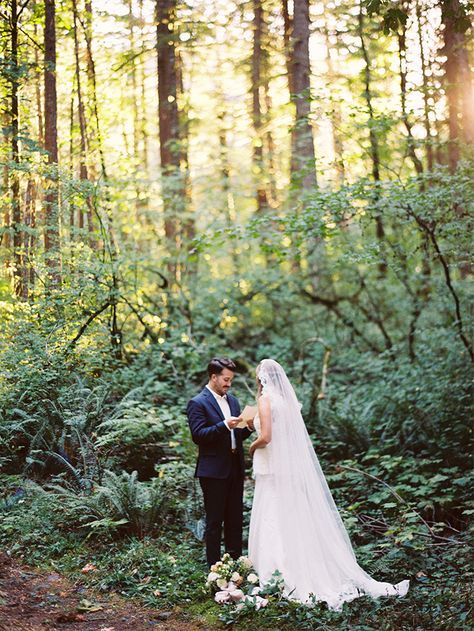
374, 144
51, 205
83, 171
39, 106
336, 116
458, 79
188, 230
168, 121
92, 85
29, 238
258, 167
403, 98
426, 91
143, 103
225, 170
303, 161
16, 219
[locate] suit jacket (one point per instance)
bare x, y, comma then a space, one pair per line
212, 436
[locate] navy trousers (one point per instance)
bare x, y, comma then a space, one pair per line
223, 503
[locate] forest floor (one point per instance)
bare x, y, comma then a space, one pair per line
35, 600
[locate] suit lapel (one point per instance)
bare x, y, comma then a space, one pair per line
232, 404
212, 401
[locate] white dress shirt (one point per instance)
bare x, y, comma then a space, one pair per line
225, 408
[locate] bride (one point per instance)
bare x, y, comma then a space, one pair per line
295, 526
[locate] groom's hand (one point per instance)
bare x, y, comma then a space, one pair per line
233, 421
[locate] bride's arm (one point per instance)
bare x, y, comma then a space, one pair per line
265, 415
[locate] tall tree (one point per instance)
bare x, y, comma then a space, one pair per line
373, 137
303, 157
19, 287
458, 78
257, 83
168, 120
426, 88
336, 114
83, 170
51, 202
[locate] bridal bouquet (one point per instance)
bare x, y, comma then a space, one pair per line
235, 582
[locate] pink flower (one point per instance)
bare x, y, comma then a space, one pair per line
222, 597
236, 595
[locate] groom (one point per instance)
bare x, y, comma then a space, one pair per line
213, 417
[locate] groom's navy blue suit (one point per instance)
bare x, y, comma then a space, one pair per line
220, 471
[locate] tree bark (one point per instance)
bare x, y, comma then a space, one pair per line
83, 171
168, 119
426, 91
373, 138
303, 162
143, 103
458, 79
92, 85
51, 203
258, 166
16, 219
336, 115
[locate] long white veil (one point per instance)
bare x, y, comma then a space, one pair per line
318, 555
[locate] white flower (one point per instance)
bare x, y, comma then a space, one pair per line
221, 583
236, 578
261, 602
255, 591
222, 597
246, 562
252, 578
213, 576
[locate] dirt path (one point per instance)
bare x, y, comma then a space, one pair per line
31, 600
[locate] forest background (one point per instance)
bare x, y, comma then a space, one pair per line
248, 178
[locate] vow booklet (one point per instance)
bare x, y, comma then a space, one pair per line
247, 414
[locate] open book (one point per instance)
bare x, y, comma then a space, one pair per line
247, 414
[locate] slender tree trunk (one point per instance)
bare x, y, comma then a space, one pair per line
373, 138
304, 158
403, 98
39, 105
92, 84
83, 171
336, 116
229, 202
258, 167
51, 205
189, 228
18, 276
458, 79
133, 88
168, 121
72, 205
143, 100
426, 91
287, 37
269, 144
29, 238
5, 239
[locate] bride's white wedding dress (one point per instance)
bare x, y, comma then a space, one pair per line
295, 526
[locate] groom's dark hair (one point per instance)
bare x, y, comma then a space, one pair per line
217, 365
